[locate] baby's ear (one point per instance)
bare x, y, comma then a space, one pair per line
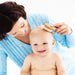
53, 42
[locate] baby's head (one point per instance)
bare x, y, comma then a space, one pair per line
41, 41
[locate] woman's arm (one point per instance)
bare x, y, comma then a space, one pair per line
71, 38
64, 33
3, 62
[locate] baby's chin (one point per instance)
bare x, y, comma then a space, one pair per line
42, 54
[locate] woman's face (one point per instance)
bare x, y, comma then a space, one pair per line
21, 28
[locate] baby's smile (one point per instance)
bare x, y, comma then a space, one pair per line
41, 51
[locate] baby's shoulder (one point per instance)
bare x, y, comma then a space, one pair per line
30, 56
55, 55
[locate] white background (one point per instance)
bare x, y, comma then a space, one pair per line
58, 10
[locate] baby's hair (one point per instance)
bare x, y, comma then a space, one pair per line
38, 30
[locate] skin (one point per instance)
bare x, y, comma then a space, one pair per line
62, 28
42, 61
21, 30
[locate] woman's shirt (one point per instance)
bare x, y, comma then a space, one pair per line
17, 50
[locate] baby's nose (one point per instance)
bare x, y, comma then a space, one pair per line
40, 47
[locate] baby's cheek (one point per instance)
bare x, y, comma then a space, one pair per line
34, 48
49, 46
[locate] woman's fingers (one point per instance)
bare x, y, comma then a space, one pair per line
62, 28
58, 24
63, 32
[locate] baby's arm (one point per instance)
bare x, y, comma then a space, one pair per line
26, 66
59, 66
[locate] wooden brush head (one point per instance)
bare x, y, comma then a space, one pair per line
48, 27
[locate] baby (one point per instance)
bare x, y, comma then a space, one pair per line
43, 61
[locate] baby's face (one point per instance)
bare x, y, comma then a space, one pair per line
42, 43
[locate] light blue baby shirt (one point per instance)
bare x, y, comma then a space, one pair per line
17, 50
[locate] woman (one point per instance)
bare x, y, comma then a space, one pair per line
15, 27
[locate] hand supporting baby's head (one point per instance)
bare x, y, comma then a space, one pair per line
41, 39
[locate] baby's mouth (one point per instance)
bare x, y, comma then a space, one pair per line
41, 51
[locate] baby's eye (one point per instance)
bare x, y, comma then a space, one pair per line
44, 43
35, 44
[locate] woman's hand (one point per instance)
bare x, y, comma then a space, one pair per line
62, 28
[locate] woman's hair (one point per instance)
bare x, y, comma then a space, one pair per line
10, 12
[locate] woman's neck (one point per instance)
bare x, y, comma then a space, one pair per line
24, 39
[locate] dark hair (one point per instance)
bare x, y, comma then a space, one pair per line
10, 12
